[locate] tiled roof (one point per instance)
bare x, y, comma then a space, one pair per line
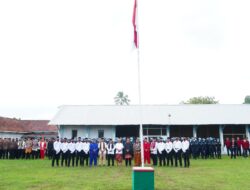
13, 125
25, 126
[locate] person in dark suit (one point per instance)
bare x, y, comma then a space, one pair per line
239, 145
128, 152
228, 145
233, 148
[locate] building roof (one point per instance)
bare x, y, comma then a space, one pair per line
11, 125
183, 114
25, 126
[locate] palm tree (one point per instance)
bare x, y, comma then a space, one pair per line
121, 99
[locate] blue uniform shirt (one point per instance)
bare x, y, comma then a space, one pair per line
93, 149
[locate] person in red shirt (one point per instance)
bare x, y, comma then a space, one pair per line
43, 147
245, 146
228, 145
239, 144
146, 147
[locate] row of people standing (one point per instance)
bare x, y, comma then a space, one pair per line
87, 151
205, 148
237, 147
22, 148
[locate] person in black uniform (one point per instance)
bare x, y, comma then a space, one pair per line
50, 149
233, 148
218, 149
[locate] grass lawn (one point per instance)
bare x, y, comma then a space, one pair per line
203, 174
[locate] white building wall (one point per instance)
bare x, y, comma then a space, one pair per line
87, 131
10, 135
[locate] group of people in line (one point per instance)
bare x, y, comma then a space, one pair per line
106, 152
89, 152
25, 148
237, 147
205, 148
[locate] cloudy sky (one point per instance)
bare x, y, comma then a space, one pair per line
57, 52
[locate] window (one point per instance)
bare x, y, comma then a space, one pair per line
154, 131
145, 131
100, 133
74, 134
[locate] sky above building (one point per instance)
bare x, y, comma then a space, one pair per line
58, 52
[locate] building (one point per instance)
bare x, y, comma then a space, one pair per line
110, 121
17, 128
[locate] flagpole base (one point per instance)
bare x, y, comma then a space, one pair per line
143, 178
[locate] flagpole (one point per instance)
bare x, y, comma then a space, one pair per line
140, 108
139, 85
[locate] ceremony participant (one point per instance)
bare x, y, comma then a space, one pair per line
5, 149
245, 146
35, 146
16, 148
20, 148
137, 152
185, 150
160, 149
56, 152
102, 152
12, 147
153, 151
23, 148
218, 149
118, 152
177, 151
85, 148
1, 148
50, 148
28, 148
72, 152
93, 153
169, 152
111, 152
146, 148
43, 147
128, 152
233, 148
228, 145
239, 145
79, 152
64, 149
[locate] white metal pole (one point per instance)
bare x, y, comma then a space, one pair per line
139, 85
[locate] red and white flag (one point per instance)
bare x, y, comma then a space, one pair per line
134, 24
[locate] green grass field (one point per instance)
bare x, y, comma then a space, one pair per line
202, 175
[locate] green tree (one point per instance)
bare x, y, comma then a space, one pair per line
247, 100
121, 99
201, 100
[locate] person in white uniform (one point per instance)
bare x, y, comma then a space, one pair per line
160, 149
79, 152
169, 152
85, 147
177, 146
56, 152
185, 152
64, 149
72, 152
